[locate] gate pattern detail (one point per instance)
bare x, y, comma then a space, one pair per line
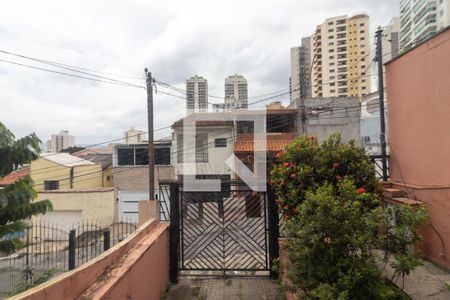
224, 230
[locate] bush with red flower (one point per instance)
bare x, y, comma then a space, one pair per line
306, 164
330, 197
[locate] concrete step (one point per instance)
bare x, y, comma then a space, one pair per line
393, 193
406, 201
386, 184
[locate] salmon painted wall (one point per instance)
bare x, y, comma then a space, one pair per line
137, 268
418, 91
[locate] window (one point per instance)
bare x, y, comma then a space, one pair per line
362, 31
141, 157
220, 142
162, 156
50, 185
109, 177
362, 38
125, 157
201, 148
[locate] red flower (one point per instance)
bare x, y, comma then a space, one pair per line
361, 190
338, 177
293, 165
286, 206
279, 154
282, 183
335, 165
286, 164
312, 138
293, 175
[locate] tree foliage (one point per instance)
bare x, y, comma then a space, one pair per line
71, 150
331, 198
16, 200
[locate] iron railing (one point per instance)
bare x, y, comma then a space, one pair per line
377, 161
51, 249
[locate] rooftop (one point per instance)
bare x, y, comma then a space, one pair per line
14, 176
104, 159
65, 159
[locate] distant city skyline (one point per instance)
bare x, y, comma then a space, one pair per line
180, 40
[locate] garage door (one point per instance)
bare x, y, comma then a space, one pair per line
129, 205
64, 220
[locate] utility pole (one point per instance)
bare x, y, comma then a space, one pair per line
378, 36
151, 148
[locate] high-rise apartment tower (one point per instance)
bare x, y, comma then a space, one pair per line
339, 59
60, 141
196, 94
236, 91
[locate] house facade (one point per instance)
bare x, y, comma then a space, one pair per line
324, 116
57, 171
130, 176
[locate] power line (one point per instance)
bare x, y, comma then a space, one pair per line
280, 123
68, 66
70, 75
98, 144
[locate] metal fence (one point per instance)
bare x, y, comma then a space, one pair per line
377, 161
49, 250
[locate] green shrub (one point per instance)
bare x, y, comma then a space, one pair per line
305, 164
331, 198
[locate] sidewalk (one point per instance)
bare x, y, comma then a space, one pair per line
426, 282
239, 288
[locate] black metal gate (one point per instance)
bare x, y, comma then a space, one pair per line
229, 230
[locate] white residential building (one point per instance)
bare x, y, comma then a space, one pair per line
421, 19
300, 70
391, 39
60, 141
196, 94
133, 136
443, 14
236, 91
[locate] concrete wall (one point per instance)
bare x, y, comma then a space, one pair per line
418, 88
89, 176
136, 177
137, 268
325, 116
95, 205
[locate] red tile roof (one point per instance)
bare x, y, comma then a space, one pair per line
14, 176
274, 142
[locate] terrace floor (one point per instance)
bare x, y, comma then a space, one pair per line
218, 288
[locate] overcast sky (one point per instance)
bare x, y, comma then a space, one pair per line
174, 39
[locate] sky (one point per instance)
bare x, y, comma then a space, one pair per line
173, 39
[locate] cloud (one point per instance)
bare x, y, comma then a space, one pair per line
174, 39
